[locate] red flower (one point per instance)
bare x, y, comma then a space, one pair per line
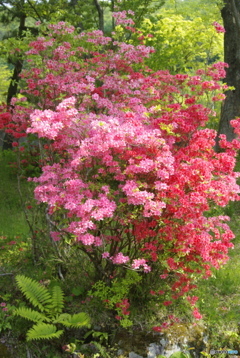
167, 303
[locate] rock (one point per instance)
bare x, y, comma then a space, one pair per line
134, 355
120, 352
154, 350
173, 349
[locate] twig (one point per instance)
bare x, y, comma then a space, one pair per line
35, 10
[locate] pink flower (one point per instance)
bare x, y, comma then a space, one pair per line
219, 28
86, 239
137, 263
120, 259
196, 313
12, 242
105, 255
56, 236
192, 300
163, 276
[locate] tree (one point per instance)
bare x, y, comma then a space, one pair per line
190, 9
181, 45
231, 106
141, 8
5, 75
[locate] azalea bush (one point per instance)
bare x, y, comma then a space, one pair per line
129, 175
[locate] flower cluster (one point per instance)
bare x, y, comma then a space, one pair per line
123, 306
218, 27
4, 305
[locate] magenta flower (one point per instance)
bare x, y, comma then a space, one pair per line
120, 259
219, 28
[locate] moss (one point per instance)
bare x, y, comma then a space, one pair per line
185, 335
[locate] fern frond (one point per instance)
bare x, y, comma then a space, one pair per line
34, 292
57, 303
62, 317
77, 320
30, 314
43, 331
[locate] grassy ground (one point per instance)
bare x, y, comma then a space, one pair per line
220, 296
12, 219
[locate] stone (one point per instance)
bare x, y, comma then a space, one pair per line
120, 352
134, 355
154, 350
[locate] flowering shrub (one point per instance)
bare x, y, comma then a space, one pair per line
130, 174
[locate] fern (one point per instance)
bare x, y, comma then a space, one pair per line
34, 292
62, 318
57, 300
51, 306
30, 314
43, 331
77, 320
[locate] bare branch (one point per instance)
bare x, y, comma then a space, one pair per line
35, 10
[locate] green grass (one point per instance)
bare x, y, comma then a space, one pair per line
219, 296
12, 219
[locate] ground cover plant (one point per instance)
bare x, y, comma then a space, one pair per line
129, 179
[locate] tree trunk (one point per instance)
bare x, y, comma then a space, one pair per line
13, 87
12, 90
100, 15
231, 105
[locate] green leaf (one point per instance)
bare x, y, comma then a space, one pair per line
77, 291
34, 292
57, 300
77, 320
30, 314
62, 317
179, 355
43, 331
